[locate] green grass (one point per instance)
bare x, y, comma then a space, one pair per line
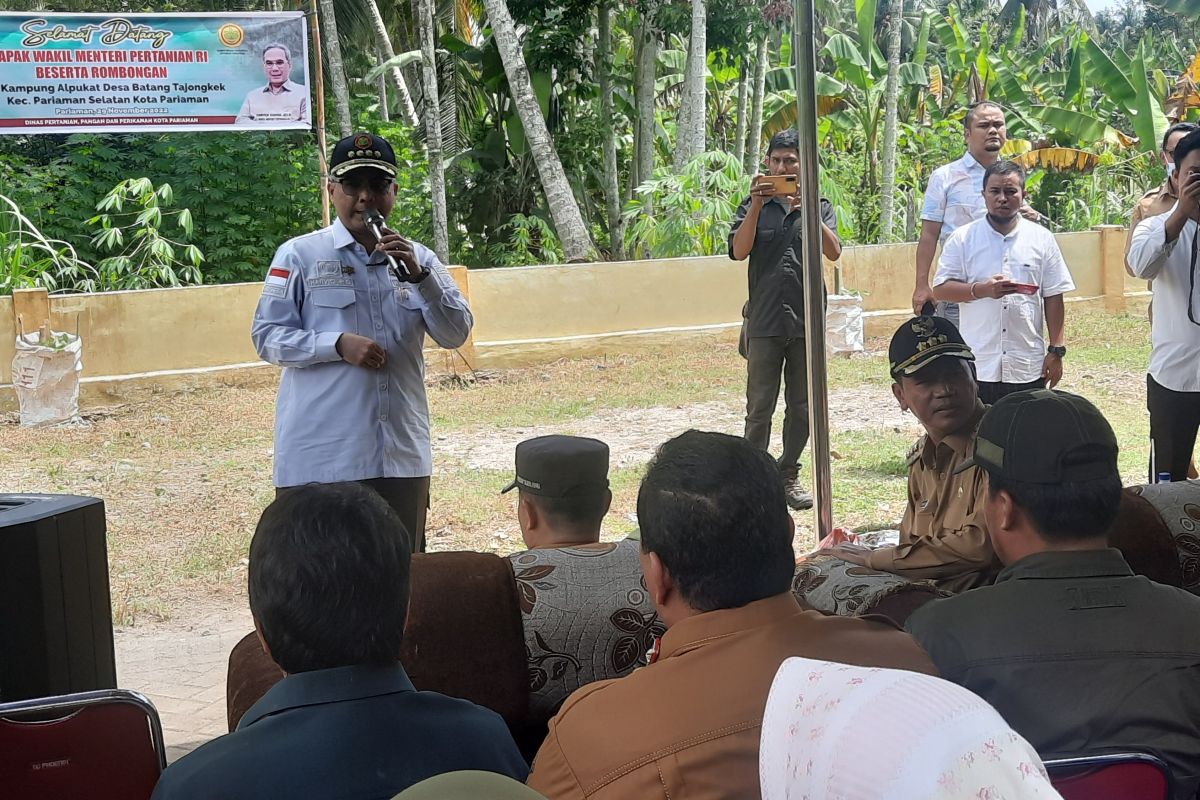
181, 511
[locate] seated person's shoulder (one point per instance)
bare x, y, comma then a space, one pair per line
439, 712
208, 769
1171, 598
870, 641
914, 453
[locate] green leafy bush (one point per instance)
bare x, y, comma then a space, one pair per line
28, 258
687, 213
131, 221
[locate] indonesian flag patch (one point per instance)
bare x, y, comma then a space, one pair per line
276, 284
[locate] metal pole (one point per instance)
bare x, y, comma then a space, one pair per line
318, 64
804, 48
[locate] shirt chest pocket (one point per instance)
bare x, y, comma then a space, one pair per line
334, 306
409, 307
959, 506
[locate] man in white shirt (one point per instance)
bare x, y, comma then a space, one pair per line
953, 197
281, 100
1166, 249
1010, 277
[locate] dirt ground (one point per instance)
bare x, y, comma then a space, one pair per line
185, 475
633, 434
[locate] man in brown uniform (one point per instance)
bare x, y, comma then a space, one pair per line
716, 553
943, 536
1160, 200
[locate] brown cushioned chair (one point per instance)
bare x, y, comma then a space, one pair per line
1142, 536
463, 638
586, 618
832, 586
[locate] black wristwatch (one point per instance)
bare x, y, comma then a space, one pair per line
1057, 350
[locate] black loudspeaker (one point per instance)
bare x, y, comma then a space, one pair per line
56, 633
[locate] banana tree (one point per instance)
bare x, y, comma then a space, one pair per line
862, 71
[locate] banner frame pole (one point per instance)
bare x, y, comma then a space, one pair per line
804, 53
319, 67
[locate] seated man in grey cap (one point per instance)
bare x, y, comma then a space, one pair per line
563, 493
1077, 653
943, 535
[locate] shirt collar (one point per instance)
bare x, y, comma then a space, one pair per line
286, 86
968, 161
961, 442
987, 224
1068, 564
342, 237
324, 686
1168, 190
710, 626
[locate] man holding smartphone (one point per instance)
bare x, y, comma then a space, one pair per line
767, 228
1009, 276
1166, 249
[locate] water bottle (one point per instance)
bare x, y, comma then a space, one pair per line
1164, 477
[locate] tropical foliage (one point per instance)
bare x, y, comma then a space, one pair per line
546, 130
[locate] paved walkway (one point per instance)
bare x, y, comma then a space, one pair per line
181, 667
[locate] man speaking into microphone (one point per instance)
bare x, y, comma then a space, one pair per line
344, 311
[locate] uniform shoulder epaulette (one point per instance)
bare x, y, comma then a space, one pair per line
1155, 192
914, 452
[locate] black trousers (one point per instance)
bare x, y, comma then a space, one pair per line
769, 359
408, 497
1174, 420
991, 391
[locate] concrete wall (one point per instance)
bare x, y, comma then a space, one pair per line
522, 314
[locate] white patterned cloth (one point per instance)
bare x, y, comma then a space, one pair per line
837, 732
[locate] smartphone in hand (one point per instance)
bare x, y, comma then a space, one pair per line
781, 185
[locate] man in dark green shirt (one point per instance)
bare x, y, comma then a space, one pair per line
1075, 651
767, 229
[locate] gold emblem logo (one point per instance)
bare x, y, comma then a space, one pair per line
922, 326
362, 141
231, 35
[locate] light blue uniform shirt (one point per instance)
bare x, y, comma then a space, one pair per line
335, 421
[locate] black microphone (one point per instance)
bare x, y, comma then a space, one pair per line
374, 222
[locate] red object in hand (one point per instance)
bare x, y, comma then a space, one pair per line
838, 537
1027, 288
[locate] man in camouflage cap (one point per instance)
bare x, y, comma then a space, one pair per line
943, 535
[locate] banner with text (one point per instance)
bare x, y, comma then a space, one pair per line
71, 73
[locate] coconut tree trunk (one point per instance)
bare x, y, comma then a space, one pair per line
647, 74
384, 42
381, 88
743, 107
335, 68
564, 210
612, 187
433, 131
754, 135
891, 98
690, 122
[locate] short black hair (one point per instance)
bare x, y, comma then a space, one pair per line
1185, 147
1065, 512
1002, 168
329, 578
784, 140
712, 508
1178, 127
971, 109
575, 512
